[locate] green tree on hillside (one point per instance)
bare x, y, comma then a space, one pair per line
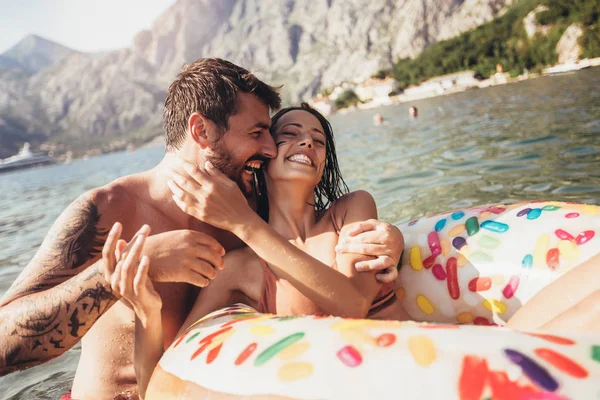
504, 41
346, 99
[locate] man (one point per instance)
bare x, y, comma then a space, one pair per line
214, 111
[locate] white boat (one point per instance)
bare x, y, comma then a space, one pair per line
25, 159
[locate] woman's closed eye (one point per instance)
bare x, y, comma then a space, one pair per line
286, 135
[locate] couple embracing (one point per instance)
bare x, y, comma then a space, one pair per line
140, 259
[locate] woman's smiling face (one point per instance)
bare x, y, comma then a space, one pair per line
301, 148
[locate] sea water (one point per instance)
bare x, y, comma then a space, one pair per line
538, 139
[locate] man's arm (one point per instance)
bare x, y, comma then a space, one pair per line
62, 292
383, 242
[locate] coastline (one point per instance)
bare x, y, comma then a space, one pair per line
495, 80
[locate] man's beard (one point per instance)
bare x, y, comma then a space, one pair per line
222, 160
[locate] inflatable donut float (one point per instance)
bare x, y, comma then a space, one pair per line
461, 270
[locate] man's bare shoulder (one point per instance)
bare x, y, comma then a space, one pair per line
118, 199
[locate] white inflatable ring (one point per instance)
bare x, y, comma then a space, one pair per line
469, 267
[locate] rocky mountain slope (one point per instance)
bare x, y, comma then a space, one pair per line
34, 53
81, 100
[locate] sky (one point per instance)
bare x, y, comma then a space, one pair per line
84, 25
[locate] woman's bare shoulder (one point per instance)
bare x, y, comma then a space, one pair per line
357, 202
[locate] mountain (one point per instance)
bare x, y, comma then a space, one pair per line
528, 37
306, 45
34, 53
9, 63
90, 100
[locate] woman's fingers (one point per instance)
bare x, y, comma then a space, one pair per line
144, 230
197, 174
217, 175
108, 251
175, 189
184, 185
115, 278
187, 207
121, 244
141, 276
129, 267
129, 254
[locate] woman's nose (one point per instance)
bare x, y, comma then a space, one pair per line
307, 141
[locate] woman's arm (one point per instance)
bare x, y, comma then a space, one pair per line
149, 342
344, 292
148, 346
213, 198
127, 271
242, 274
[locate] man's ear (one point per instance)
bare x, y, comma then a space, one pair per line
199, 128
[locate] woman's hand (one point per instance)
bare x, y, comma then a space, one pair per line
211, 197
127, 271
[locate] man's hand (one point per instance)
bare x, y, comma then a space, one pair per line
377, 239
184, 256
175, 256
211, 197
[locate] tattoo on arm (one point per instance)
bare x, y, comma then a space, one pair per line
75, 239
82, 238
40, 324
97, 295
12, 354
46, 322
41, 331
74, 324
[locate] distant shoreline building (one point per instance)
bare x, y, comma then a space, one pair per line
443, 84
376, 90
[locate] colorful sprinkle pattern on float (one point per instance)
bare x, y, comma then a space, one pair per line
475, 266
480, 265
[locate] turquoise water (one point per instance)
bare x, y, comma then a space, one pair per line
537, 139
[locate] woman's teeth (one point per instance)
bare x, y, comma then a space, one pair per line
301, 158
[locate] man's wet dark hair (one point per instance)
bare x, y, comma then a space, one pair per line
332, 185
210, 87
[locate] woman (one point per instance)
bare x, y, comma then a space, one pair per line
290, 266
